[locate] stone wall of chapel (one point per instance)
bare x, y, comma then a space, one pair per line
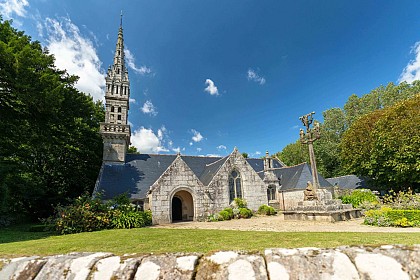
253, 188
178, 177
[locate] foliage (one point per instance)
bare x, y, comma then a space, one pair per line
403, 200
338, 120
239, 203
384, 145
50, 147
225, 215
91, 214
132, 150
359, 198
237, 210
266, 210
393, 217
245, 155
245, 213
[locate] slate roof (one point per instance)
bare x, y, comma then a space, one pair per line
140, 172
296, 177
348, 182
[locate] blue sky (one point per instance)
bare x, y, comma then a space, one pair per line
207, 76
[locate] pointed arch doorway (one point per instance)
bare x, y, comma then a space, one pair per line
182, 207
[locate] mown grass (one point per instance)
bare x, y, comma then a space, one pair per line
16, 242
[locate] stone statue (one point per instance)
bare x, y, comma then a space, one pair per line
309, 192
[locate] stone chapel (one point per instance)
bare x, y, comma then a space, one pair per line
180, 187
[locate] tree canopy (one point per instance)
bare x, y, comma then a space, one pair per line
385, 145
50, 148
339, 120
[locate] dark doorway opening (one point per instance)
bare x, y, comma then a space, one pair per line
176, 209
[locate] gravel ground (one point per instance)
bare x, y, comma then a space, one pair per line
277, 223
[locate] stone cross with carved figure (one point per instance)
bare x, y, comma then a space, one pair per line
308, 137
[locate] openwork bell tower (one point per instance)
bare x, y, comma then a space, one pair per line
115, 130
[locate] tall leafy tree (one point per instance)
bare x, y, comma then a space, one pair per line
50, 149
385, 146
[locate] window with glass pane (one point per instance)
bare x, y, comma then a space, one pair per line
235, 186
271, 193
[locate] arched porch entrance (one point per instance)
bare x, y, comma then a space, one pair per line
182, 206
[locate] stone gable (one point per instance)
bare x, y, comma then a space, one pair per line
253, 188
178, 177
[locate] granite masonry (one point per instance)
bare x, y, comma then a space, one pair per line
387, 262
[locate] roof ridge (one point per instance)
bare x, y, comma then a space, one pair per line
342, 176
292, 165
209, 164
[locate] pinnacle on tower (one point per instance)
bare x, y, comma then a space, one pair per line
115, 130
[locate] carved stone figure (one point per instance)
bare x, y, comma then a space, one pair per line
309, 192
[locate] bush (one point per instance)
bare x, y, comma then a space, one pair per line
225, 215
403, 200
360, 198
393, 217
266, 210
239, 203
91, 214
245, 213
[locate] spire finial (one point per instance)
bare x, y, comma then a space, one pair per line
121, 18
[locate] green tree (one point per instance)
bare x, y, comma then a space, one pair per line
133, 150
245, 155
293, 154
50, 149
385, 146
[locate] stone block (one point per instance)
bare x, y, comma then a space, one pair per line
232, 265
309, 263
22, 268
169, 266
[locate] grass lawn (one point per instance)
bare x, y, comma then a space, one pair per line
19, 241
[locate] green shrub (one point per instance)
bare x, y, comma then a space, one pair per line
245, 213
225, 215
91, 214
239, 203
360, 198
403, 200
230, 211
393, 217
266, 210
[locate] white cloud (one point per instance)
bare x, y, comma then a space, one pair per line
131, 62
253, 76
197, 137
221, 147
176, 150
149, 108
212, 155
77, 55
199, 149
132, 100
146, 141
211, 87
10, 7
412, 71
191, 143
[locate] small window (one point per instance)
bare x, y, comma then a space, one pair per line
112, 108
235, 186
271, 193
118, 70
119, 117
119, 109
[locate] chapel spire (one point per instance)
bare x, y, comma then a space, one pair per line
115, 130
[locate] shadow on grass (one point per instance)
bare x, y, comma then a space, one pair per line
23, 232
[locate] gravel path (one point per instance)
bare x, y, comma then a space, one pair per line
277, 223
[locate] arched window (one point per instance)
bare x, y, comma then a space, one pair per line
119, 109
271, 192
235, 186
